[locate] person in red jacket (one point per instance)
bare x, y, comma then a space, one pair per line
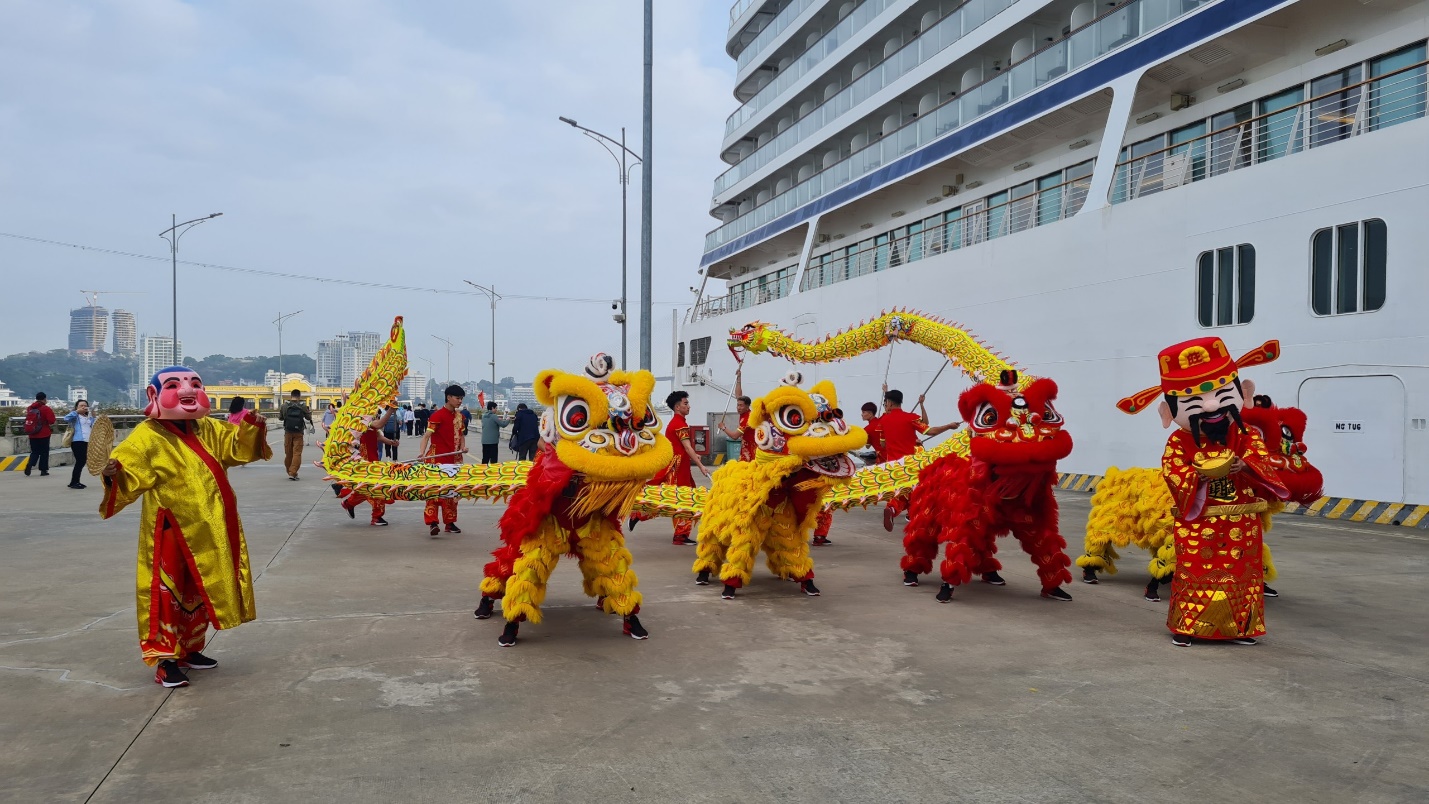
39, 419
444, 443
678, 473
745, 433
371, 442
899, 430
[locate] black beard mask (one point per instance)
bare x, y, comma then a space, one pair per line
1218, 431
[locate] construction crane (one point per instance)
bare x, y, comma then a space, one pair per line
91, 297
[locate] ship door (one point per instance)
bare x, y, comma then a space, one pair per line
1355, 435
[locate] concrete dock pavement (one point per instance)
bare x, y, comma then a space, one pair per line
366, 679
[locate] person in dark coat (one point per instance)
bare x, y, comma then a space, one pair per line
525, 432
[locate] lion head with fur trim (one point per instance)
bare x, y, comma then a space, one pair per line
789, 421
601, 422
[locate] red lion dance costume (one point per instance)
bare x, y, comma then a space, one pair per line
1005, 486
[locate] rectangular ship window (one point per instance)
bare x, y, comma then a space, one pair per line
1225, 286
1348, 268
699, 350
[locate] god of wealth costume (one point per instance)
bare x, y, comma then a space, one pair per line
193, 562
601, 444
772, 502
1221, 477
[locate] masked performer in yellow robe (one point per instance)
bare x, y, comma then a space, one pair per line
193, 562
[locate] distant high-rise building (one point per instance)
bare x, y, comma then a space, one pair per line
156, 352
76, 393
88, 328
414, 387
125, 337
341, 360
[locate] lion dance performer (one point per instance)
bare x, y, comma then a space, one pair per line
1004, 485
677, 473
772, 502
1221, 477
193, 561
601, 444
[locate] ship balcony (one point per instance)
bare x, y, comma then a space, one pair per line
1105, 34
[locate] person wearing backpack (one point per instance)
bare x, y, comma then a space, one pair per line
392, 431
38, 421
296, 421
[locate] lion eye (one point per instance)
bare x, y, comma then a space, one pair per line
574, 417
791, 417
650, 420
986, 416
1051, 416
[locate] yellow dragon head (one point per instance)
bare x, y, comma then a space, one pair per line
601, 423
790, 421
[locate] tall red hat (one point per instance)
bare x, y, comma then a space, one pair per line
1195, 367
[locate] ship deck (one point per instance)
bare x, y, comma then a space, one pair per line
366, 678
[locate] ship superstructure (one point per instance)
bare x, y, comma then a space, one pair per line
1082, 184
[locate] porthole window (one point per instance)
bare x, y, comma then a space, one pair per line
1348, 272
1225, 286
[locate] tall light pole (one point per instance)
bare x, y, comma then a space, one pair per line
278, 392
647, 188
495, 297
172, 234
449, 358
623, 316
430, 372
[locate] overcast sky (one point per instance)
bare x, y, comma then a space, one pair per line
411, 143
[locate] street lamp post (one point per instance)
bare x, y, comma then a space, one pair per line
278, 391
449, 358
495, 297
172, 234
623, 316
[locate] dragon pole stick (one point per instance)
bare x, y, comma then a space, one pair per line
936, 376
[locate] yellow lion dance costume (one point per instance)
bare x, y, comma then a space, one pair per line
772, 502
601, 443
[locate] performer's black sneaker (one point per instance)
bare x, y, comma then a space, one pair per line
508, 636
993, 579
1152, 593
197, 661
685, 541
1244, 641
336, 490
945, 593
169, 674
808, 588
379, 522
910, 578
728, 593
631, 524
484, 608
634, 629
1180, 640
436, 530
451, 528
1089, 575
1268, 592
703, 578
1059, 594
351, 510
76, 485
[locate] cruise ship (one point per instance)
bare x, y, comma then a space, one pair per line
1082, 184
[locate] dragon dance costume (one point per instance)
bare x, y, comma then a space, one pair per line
1221, 478
192, 567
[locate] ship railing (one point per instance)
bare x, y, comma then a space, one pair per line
742, 299
737, 10
866, 12
776, 26
1370, 105
939, 37
1111, 31
1026, 207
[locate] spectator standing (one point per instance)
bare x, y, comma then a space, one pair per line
236, 410
421, 415
443, 444
39, 421
491, 424
297, 419
81, 421
392, 433
407, 418
329, 416
525, 432
465, 421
